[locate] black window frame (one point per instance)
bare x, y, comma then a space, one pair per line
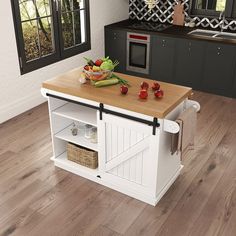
60, 53
211, 13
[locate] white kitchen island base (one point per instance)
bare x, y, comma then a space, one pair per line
133, 150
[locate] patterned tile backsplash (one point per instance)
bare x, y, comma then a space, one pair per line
163, 12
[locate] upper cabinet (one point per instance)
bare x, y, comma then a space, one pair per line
162, 59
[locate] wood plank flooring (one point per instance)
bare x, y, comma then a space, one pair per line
37, 198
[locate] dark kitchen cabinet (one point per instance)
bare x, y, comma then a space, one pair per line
115, 47
162, 58
204, 65
189, 63
219, 69
234, 88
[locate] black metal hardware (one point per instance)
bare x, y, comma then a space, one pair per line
72, 101
155, 125
101, 109
98, 176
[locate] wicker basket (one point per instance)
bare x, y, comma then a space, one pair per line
82, 156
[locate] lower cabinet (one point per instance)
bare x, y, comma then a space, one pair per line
219, 69
162, 59
189, 63
203, 65
115, 47
234, 89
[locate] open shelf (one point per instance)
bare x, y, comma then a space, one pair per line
79, 139
63, 162
78, 113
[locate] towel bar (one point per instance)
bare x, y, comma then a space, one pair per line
190, 103
171, 126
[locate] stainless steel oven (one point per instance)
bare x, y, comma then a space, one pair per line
138, 53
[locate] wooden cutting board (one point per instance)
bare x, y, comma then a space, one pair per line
178, 17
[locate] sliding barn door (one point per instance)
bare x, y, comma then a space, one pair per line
128, 153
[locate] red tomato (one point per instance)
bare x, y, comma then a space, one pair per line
98, 62
144, 85
159, 93
143, 94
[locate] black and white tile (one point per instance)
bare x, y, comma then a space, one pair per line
164, 10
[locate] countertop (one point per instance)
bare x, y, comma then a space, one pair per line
170, 31
68, 83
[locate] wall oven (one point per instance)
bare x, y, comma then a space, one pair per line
138, 53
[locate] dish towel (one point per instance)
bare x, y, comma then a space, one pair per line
185, 138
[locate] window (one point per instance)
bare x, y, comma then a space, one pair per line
48, 31
212, 8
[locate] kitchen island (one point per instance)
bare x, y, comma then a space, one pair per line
134, 135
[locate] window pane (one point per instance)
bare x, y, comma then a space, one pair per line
83, 27
66, 5
31, 40
43, 7
67, 30
82, 4
77, 4
77, 27
27, 9
46, 36
70, 5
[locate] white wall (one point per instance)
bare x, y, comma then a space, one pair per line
20, 93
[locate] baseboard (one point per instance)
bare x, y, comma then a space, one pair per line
21, 105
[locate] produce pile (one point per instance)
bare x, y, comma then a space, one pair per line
101, 73
156, 88
103, 64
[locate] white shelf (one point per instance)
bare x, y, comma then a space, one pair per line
62, 162
79, 139
78, 113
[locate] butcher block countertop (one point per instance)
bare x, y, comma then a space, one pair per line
68, 83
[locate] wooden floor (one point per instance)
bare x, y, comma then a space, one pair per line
38, 199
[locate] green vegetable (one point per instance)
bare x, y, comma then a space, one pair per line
89, 61
108, 64
107, 82
105, 59
121, 81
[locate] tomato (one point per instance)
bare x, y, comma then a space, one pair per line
98, 62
